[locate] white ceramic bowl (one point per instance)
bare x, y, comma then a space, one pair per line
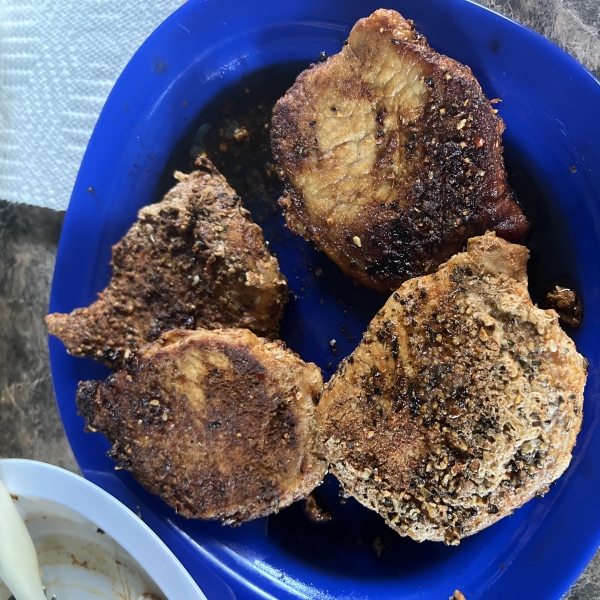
90, 546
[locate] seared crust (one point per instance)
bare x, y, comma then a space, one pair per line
391, 156
195, 259
220, 424
462, 402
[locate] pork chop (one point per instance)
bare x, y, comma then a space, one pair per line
220, 424
391, 156
195, 259
462, 402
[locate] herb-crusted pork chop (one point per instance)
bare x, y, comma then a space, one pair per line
195, 259
391, 156
462, 402
220, 424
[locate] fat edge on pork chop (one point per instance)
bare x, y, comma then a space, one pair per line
391, 156
462, 402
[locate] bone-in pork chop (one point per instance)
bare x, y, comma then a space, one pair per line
195, 259
391, 156
220, 424
462, 402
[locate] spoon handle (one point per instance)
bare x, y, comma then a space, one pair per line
19, 567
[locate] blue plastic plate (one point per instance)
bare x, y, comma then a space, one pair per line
550, 104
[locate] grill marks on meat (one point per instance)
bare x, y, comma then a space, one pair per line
195, 259
462, 402
391, 156
220, 424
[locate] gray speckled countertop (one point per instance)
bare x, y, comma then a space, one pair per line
29, 423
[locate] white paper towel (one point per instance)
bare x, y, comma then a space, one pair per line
58, 62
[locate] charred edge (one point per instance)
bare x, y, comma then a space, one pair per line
86, 400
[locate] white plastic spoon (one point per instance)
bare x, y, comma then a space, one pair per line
19, 567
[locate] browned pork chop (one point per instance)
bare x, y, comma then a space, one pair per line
461, 403
195, 259
220, 424
391, 156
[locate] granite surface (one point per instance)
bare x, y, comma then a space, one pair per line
572, 24
29, 423
30, 426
